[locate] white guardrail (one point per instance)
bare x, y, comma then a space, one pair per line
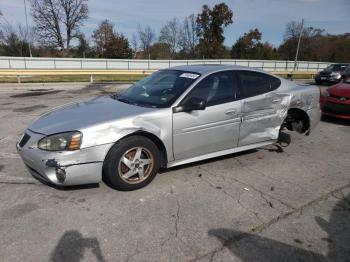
41, 63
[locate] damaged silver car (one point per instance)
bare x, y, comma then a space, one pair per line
173, 117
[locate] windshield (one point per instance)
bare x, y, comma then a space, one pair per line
336, 67
158, 90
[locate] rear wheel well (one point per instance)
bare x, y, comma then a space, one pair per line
297, 120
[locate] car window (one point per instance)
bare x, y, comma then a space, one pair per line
215, 89
256, 83
336, 67
158, 90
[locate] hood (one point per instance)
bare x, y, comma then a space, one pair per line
341, 89
84, 114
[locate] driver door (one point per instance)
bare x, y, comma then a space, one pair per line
215, 128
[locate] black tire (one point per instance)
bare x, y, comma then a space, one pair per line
112, 162
318, 82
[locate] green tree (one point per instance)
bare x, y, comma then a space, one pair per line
161, 51
210, 30
250, 46
110, 44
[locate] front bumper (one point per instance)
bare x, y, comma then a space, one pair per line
335, 108
328, 79
82, 166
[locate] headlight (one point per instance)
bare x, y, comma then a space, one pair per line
335, 75
61, 142
325, 93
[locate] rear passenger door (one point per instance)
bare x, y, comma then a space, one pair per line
263, 108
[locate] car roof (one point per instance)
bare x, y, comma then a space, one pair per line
341, 64
209, 68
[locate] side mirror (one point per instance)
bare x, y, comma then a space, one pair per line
194, 103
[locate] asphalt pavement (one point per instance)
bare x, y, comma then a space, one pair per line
289, 203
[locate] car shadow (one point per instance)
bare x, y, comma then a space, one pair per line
284, 141
66, 188
72, 246
334, 120
252, 247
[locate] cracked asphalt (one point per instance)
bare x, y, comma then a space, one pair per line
287, 203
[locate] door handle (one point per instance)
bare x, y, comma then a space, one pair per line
230, 112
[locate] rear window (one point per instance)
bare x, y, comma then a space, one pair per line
256, 83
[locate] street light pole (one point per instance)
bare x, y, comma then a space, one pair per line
25, 13
298, 47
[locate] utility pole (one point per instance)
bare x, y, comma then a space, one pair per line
298, 47
25, 13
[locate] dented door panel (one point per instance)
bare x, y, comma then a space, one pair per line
262, 117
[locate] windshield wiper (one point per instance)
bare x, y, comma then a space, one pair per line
127, 101
124, 100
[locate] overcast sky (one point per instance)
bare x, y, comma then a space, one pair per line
269, 16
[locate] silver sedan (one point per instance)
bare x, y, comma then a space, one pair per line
173, 117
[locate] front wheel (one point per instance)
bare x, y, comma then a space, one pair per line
132, 163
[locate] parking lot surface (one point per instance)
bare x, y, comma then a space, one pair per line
289, 203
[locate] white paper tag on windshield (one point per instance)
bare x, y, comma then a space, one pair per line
189, 75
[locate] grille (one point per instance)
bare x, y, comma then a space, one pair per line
325, 74
338, 97
24, 140
337, 108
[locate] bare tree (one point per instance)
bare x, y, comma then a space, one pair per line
170, 35
134, 44
188, 35
293, 29
1, 33
58, 21
146, 37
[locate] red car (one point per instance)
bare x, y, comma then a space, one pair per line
335, 101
